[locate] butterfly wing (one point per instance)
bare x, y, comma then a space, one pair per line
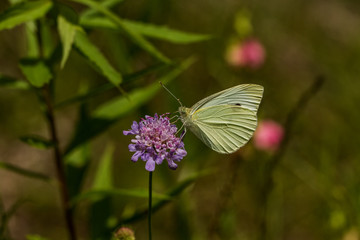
245, 95
223, 128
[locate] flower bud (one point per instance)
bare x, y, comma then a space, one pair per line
124, 233
249, 53
268, 135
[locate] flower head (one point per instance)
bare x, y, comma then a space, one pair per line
156, 140
268, 135
124, 233
249, 53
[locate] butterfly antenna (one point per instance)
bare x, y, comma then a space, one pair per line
171, 93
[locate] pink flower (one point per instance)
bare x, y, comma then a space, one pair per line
249, 53
268, 135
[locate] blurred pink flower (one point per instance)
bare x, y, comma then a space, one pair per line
268, 135
249, 53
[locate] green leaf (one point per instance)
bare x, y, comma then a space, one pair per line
37, 141
24, 172
136, 37
103, 118
89, 50
32, 43
49, 42
121, 106
101, 209
35, 71
35, 237
12, 2
23, 12
96, 194
149, 30
87, 129
107, 4
105, 87
173, 192
11, 83
104, 174
67, 32
78, 161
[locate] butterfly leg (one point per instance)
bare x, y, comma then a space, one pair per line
183, 133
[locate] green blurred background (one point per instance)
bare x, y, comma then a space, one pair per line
316, 184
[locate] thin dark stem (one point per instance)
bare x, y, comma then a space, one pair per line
59, 163
60, 171
268, 181
150, 203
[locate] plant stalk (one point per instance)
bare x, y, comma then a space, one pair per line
60, 170
150, 204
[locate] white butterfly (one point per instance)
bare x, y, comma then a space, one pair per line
225, 121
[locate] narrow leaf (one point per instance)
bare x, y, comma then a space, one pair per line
23, 12
11, 83
176, 190
149, 30
137, 38
35, 71
35, 237
103, 117
104, 174
87, 129
95, 194
121, 106
49, 42
24, 172
67, 32
78, 161
32, 43
107, 4
108, 86
37, 141
89, 50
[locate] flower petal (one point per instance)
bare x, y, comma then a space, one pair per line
135, 126
171, 164
129, 132
132, 147
136, 156
150, 165
159, 159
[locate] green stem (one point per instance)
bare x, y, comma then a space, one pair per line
150, 203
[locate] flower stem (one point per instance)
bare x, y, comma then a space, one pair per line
150, 204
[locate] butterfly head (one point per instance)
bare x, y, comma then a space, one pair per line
185, 114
